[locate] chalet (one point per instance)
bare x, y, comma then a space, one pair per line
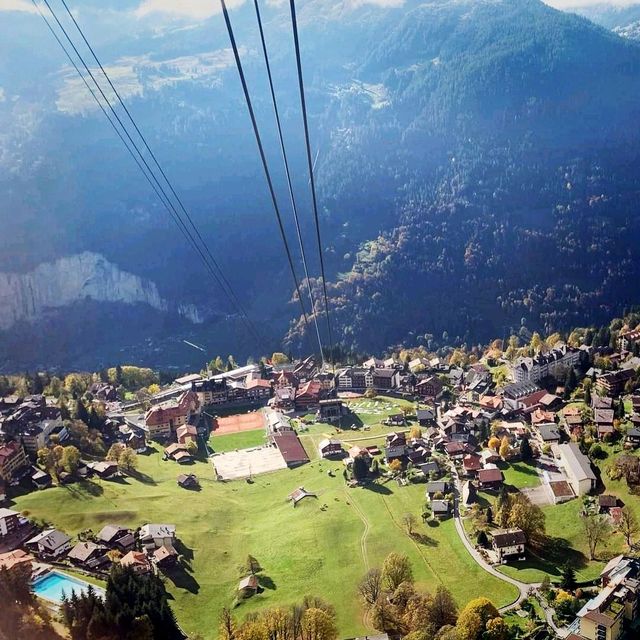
440, 509
186, 433
512, 394
283, 398
632, 438
455, 449
601, 402
248, 586
509, 544
88, 555
435, 488
138, 562
116, 537
385, 379
430, 387
331, 410
15, 558
162, 420
12, 459
165, 556
104, 392
547, 433
187, 481
490, 478
541, 416
51, 543
134, 438
258, 390
9, 522
396, 420
604, 422
606, 502
40, 479
286, 379
489, 456
612, 383
308, 395
471, 464
418, 454
356, 451
329, 448
211, 391
327, 381
179, 453
105, 469
429, 467
354, 379
156, 535
426, 417
306, 369
574, 423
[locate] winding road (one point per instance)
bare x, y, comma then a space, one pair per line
524, 588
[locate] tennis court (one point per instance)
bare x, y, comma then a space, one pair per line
239, 422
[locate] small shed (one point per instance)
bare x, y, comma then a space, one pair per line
299, 494
248, 586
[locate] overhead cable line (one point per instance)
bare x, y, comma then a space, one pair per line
231, 293
263, 158
303, 103
140, 161
285, 160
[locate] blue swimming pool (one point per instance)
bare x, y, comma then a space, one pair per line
53, 585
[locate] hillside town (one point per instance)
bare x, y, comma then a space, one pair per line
498, 444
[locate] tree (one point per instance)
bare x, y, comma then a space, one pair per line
504, 448
128, 460
482, 539
115, 451
526, 453
409, 521
503, 506
383, 615
227, 627
192, 448
527, 516
473, 619
370, 393
570, 383
45, 459
415, 432
278, 358
251, 566
628, 524
443, 609
512, 349
395, 466
360, 468
496, 629
370, 586
70, 459
396, 569
317, 624
494, 443
597, 530
81, 412
568, 578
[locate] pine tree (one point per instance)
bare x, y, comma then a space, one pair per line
526, 453
81, 412
568, 580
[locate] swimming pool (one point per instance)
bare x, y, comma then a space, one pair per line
54, 584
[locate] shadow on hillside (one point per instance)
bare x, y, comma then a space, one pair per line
183, 550
182, 579
378, 488
267, 582
424, 539
142, 477
558, 552
83, 489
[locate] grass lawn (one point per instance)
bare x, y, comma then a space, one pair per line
303, 550
240, 440
520, 475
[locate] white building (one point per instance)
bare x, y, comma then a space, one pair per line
541, 365
577, 467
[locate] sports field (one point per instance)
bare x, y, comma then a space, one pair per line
240, 422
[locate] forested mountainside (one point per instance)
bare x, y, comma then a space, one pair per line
476, 165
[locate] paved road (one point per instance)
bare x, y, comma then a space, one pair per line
523, 587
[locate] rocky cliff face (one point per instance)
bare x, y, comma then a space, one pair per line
78, 277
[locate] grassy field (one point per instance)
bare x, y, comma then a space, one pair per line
520, 475
323, 546
240, 440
